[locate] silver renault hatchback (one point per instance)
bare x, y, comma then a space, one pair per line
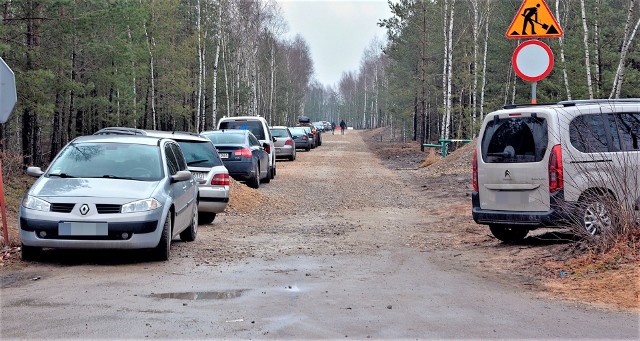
111, 192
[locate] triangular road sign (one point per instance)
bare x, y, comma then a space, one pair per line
534, 20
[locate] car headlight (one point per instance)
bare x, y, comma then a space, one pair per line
141, 206
37, 204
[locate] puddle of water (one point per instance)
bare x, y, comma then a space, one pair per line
202, 295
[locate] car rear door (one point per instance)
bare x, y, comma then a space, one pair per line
513, 162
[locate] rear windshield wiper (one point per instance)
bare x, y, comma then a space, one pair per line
196, 161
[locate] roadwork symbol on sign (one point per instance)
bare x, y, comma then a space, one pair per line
534, 20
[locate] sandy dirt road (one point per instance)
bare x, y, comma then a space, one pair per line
339, 246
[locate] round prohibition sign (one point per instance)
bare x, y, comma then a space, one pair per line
532, 60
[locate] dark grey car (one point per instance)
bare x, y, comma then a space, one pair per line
244, 156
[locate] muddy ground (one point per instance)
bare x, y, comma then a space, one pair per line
547, 262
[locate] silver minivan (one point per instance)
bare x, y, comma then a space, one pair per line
574, 162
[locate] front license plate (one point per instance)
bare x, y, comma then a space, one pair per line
224, 155
83, 229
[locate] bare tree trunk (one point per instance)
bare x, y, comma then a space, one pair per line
200, 66
150, 43
214, 88
626, 42
133, 81
562, 58
587, 62
272, 83
596, 50
474, 90
446, 123
226, 77
484, 69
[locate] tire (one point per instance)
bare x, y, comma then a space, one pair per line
292, 157
206, 218
306, 149
508, 233
595, 215
30, 253
255, 181
273, 170
161, 251
269, 176
190, 233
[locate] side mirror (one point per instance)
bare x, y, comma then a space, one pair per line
36, 172
274, 139
201, 181
181, 176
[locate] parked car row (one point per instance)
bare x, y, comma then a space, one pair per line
128, 188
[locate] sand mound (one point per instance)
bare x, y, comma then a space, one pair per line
244, 199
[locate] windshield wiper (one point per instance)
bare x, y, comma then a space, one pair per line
196, 161
61, 175
109, 176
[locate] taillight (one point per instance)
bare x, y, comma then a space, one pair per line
244, 152
267, 148
474, 175
556, 181
220, 180
289, 143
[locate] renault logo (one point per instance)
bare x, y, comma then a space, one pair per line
84, 209
507, 174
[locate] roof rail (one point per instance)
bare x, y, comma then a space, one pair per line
524, 105
599, 101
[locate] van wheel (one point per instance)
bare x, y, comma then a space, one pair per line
508, 233
255, 181
161, 251
30, 252
595, 215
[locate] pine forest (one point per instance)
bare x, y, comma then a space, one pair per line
82, 65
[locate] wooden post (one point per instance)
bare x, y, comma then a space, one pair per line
3, 211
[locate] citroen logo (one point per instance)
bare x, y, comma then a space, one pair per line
507, 174
84, 209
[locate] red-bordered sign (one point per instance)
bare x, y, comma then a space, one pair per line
532, 60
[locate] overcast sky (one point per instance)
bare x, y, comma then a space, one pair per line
337, 31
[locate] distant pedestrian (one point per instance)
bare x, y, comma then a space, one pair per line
333, 128
343, 126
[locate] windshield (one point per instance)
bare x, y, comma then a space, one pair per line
254, 126
109, 160
225, 138
279, 132
200, 154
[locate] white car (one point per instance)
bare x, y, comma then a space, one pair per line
260, 129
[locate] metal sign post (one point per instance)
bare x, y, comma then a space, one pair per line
532, 61
8, 99
3, 210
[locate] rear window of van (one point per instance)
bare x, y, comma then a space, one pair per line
515, 140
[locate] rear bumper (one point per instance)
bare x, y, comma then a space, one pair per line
240, 170
287, 150
555, 216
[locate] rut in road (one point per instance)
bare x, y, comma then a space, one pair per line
336, 199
